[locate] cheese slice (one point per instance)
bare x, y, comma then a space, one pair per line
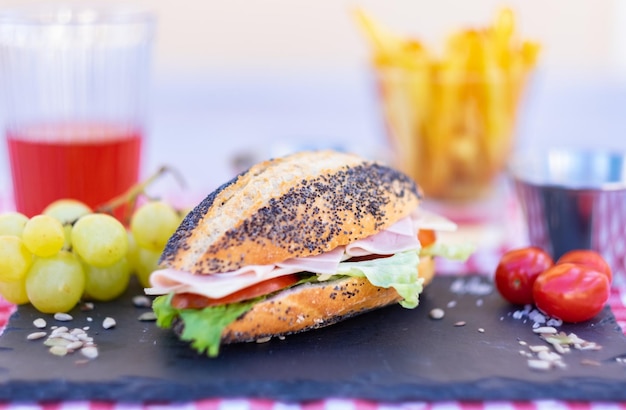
400, 237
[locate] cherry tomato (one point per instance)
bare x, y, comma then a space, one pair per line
571, 292
194, 301
516, 273
588, 258
426, 237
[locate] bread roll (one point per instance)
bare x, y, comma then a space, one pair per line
300, 205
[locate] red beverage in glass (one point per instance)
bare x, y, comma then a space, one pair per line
91, 162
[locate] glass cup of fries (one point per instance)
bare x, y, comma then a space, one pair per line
451, 119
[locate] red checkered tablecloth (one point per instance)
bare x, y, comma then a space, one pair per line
492, 237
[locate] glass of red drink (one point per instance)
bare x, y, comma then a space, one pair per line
75, 80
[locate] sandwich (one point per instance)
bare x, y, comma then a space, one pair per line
295, 244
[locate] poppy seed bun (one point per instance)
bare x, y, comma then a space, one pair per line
300, 205
312, 306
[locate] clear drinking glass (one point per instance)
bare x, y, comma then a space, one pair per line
74, 81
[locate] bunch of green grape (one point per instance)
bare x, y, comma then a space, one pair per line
70, 253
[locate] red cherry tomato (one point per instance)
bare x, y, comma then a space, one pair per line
571, 292
588, 258
516, 273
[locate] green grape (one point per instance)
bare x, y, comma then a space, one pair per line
104, 284
67, 211
99, 239
55, 284
15, 258
12, 223
14, 292
147, 262
132, 252
153, 223
43, 235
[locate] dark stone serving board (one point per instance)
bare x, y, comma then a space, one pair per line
392, 354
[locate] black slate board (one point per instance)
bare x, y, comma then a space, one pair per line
391, 354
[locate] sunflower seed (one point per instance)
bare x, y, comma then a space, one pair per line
548, 330
108, 323
539, 364
147, 317
58, 350
36, 335
58, 331
56, 341
63, 317
39, 323
74, 345
77, 331
141, 301
437, 314
90, 352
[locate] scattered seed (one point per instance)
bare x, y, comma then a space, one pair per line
451, 304
548, 356
108, 323
56, 341
481, 330
74, 345
58, 350
536, 364
39, 323
437, 314
460, 324
548, 330
264, 339
90, 352
147, 317
63, 317
538, 348
142, 301
59, 330
87, 306
589, 362
36, 335
89, 319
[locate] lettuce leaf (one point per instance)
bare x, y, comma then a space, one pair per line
460, 251
398, 271
203, 327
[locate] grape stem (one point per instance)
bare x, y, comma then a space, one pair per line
129, 198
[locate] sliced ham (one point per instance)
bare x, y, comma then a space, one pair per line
400, 237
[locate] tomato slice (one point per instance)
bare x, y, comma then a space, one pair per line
426, 237
194, 301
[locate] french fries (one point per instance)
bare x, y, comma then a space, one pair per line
451, 119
